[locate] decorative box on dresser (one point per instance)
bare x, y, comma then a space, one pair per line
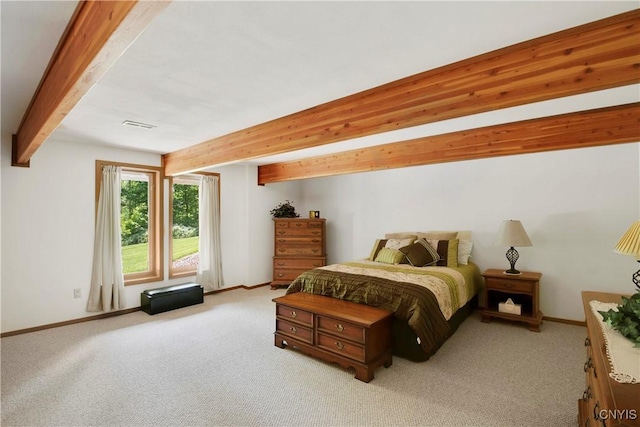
299, 245
604, 402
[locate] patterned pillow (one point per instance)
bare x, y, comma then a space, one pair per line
448, 251
390, 256
420, 254
376, 248
398, 243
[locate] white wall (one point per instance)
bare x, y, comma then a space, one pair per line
574, 205
48, 227
247, 229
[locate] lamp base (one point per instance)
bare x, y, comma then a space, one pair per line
512, 256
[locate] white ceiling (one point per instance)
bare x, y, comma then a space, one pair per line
205, 69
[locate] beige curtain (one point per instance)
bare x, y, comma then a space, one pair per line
107, 280
209, 272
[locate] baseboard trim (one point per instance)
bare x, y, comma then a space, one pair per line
112, 314
69, 322
567, 321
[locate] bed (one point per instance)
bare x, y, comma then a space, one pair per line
425, 279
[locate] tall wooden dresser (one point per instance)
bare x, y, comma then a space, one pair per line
299, 245
605, 402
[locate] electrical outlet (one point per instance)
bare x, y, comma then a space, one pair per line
76, 293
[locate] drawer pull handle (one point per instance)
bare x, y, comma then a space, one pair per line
315, 264
315, 232
281, 264
508, 285
588, 364
294, 330
339, 345
315, 250
280, 274
586, 395
282, 250
298, 224
282, 232
282, 240
339, 327
587, 342
315, 240
294, 314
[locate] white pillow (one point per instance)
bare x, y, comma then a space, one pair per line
398, 243
464, 251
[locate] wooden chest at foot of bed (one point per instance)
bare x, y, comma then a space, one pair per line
342, 332
153, 301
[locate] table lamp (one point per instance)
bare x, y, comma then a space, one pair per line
512, 234
629, 244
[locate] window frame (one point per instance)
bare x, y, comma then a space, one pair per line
155, 273
179, 272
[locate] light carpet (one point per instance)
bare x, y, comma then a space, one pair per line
215, 364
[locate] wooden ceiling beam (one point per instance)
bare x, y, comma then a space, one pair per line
97, 35
596, 56
605, 126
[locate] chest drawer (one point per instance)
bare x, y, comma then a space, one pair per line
509, 285
341, 329
294, 314
299, 332
342, 347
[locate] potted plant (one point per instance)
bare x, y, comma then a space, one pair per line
284, 210
627, 319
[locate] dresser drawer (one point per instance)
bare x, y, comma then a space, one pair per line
286, 274
294, 330
307, 232
299, 263
297, 223
296, 315
298, 240
342, 347
508, 285
341, 329
290, 250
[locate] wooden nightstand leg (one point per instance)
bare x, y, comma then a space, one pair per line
485, 319
535, 324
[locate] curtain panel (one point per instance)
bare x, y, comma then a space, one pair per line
107, 280
209, 272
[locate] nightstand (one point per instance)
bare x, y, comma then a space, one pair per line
523, 289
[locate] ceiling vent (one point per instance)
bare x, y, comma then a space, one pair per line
137, 124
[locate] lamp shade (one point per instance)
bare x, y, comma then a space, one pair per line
629, 244
512, 233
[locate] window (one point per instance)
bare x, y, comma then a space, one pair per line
140, 221
184, 224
